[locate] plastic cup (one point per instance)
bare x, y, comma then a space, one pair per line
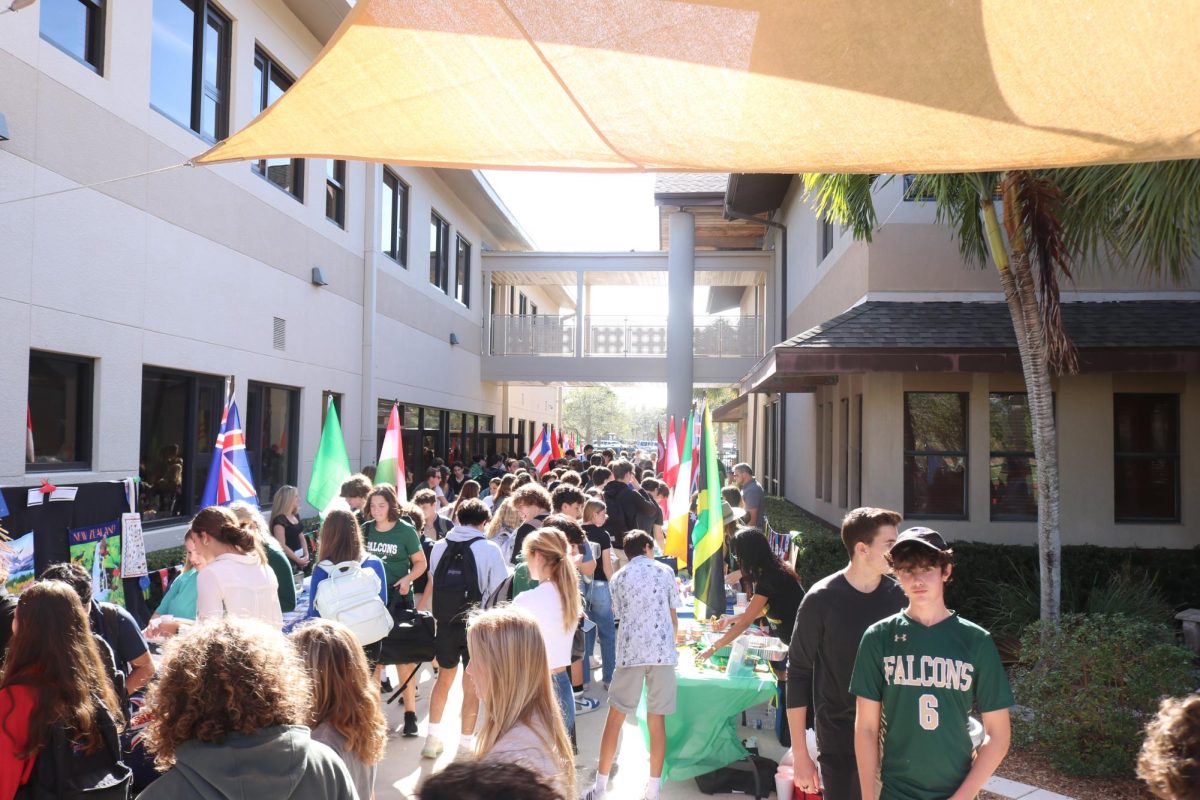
784, 781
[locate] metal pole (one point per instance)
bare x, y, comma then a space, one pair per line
681, 281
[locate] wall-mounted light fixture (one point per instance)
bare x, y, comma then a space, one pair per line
453, 339
318, 277
17, 5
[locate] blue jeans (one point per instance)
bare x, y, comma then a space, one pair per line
599, 610
566, 698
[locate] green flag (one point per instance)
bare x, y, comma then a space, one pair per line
331, 465
708, 536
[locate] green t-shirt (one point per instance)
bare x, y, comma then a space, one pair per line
927, 680
395, 548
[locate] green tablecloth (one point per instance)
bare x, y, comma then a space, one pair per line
702, 733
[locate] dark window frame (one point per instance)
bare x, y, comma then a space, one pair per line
844, 487
462, 270
269, 68
85, 413
1147, 455
335, 190
397, 226
856, 495
439, 252
192, 462
97, 19
252, 430
203, 12
828, 240
1030, 454
964, 401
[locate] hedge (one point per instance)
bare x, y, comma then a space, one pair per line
978, 566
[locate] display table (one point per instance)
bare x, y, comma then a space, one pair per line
702, 733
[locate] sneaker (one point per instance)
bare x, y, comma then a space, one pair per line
592, 793
433, 747
585, 705
386, 686
410, 723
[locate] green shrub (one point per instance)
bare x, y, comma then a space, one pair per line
1092, 685
171, 557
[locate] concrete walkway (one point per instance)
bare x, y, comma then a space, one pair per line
403, 769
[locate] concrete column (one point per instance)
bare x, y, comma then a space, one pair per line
488, 311
579, 314
681, 281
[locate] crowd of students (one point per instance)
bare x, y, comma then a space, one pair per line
523, 574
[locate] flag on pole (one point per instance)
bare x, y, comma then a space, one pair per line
697, 430
555, 445
662, 450
709, 534
671, 456
29, 452
390, 468
680, 504
540, 453
229, 477
331, 465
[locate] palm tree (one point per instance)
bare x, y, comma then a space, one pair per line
1033, 227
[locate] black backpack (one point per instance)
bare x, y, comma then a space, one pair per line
753, 775
64, 772
456, 583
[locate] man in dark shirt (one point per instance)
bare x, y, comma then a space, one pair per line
831, 621
626, 501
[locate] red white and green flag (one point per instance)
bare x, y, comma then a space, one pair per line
390, 468
670, 466
680, 502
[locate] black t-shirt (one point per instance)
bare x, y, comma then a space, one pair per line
419, 585
522, 532
783, 593
293, 532
600, 536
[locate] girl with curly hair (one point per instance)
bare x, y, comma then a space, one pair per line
344, 713
53, 677
227, 720
523, 723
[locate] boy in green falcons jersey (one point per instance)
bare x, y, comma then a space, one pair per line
916, 677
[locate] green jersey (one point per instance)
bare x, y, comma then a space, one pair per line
394, 547
927, 679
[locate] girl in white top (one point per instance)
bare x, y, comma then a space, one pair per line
522, 723
235, 579
556, 605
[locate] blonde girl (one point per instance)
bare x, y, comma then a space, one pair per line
556, 605
522, 722
286, 527
503, 526
344, 712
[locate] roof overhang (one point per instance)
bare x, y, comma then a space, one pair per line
753, 193
732, 411
481, 199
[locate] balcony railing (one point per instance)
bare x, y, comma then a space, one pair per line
622, 336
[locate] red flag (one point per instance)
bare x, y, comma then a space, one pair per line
540, 452
662, 450
555, 445
670, 467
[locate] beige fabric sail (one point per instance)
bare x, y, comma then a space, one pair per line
744, 85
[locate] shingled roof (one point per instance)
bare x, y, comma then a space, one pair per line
968, 326
675, 184
881, 336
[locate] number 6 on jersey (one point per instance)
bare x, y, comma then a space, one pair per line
927, 712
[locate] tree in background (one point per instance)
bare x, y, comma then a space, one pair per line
1034, 226
592, 412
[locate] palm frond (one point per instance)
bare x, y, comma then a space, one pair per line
1037, 208
843, 199
1144, 215
957, 197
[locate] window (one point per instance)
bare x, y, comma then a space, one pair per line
935, 454
58, 432
393, 228
462, 272
270, 82
533, 309
844, 485
180, 417
523, 305
272, 430
827, 239
439, 252
1146, 444
189, 66
337, 406
1012, 467
335, 192
77, 28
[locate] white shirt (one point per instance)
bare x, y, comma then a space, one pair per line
544, 602
238, 584
643, 595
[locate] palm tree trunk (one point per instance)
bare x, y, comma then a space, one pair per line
1017, 281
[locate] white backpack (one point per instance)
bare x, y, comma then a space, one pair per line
350, 595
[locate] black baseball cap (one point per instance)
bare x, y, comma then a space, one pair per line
924, 536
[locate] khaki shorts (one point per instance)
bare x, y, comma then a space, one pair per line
625, 690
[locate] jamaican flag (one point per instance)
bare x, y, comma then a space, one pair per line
709, 534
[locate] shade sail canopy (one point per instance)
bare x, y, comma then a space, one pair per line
744, 86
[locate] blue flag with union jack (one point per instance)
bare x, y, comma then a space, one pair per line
229, 476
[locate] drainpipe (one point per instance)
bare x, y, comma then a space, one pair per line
783, 315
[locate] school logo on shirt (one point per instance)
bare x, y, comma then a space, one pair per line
383, 548
942, 673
